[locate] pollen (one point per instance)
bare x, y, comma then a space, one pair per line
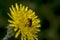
25, 21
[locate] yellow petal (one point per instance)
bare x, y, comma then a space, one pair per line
15, 29
38, 25
17, 7
14, 10
10, 21
11, 11
12, 25
26, 8
23, 8
38, 30
16, 35
10, 16
22, 38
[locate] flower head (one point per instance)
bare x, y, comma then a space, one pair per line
24, 21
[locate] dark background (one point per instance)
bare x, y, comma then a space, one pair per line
47, 10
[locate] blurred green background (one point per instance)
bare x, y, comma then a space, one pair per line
47, 10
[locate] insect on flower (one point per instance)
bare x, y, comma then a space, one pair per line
25, 21
30, 22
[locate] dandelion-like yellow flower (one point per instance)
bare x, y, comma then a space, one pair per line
24, 21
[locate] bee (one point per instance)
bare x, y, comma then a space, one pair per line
30, 22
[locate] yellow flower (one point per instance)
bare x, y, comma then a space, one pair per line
24, 21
